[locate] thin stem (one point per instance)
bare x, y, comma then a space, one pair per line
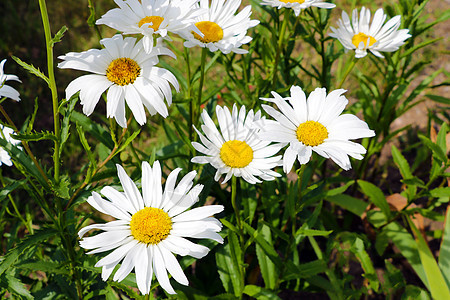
200, 86
25, 144
239, 223
191, 101
52, 85
279, 47
92, 9
347, 72
102, 164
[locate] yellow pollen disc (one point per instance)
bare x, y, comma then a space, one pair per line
150, 225
212, 32
311, 133
155, 20
123, 71
292, 1
361, 37
236, 154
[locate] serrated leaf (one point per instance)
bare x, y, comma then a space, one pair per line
32, 69
34, 137
58, 36
50, 267
13, 255
61, 188
85, 145
376, 196
65, 124
15, 286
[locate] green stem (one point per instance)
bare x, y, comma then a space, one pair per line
52, 84
239, 223
200, 86
279, 47
347, 72
330, 274
191, 102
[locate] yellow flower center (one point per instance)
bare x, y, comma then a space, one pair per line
150, 225
311, 133
155, 20
236, 154
212, 32
361, 37
123, 71
292, 1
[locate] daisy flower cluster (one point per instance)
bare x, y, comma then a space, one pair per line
126, 68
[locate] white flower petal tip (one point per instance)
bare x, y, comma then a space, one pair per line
315, 124
5, 134
220, 27
235, 149
149, 247
127, 73
362, 35
297, 6
6, 90
151, 17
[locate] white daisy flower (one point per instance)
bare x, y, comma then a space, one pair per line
128, 73
376, 37
236, 149
151, 227
6, 90
222, 30
314, 125
297, 5
149, 17
5, 133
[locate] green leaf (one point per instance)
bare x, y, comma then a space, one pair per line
85, 145
32, 240
259, 293
440, 192
128, 141
49, 267
229, 265
313, 232
34, 137
32, 69
21, 158
403, 240
6, 190
413, 292
417, 47
444, 253
376, 196
61, 188
58, 36
268, 270
97, 131
440, 99
65, 124
15, 286
353, 205
437, 285
436, 150
401, 163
